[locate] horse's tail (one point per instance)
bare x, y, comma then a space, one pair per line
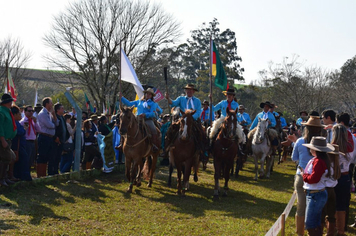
147, 168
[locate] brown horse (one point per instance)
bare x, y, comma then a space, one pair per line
224, 151
183, 152
136, 147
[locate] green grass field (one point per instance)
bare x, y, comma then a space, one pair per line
101, 206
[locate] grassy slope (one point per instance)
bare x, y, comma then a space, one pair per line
102, 207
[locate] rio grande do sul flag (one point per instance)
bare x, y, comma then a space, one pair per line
217, 68
10, 86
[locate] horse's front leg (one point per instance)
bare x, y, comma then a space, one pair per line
186, 176
130, 167
170, 174
228, 165
262, 169
139, 166
255, 157
179, 178
217, 168
269, 165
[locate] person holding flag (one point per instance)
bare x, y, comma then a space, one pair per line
146, 109
228, 103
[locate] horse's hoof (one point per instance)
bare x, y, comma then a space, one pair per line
138, 184
255, 179
195, 178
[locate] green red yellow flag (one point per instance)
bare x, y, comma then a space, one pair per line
217, 68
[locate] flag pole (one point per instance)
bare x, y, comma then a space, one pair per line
120, 76
166, 79
7, 76
211, 81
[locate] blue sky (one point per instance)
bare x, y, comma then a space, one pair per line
322, 33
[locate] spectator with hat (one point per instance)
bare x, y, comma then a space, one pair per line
228, 103
8, 130
264, 115
94, 119
47, 120
205, 115
37, 109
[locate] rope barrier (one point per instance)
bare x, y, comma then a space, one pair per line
280, 222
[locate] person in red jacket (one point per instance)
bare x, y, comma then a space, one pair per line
314, 177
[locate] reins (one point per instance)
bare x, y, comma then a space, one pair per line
137, 131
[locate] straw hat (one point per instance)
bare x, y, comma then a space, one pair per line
318, 143
336, 151
94, 117
314, 121
151, 91
190, 86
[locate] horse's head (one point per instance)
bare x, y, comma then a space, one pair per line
230, 123
126, 119
175, 111
186, 124
261, 129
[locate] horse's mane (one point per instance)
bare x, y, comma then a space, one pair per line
240, 133
216, 125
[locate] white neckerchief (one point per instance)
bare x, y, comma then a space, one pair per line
190, 99
243, 116
265, 115
145, 105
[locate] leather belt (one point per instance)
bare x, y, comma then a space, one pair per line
31, 141
48, 135
314, 191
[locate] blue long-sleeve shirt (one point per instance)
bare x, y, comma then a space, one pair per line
46, 122
283, 122
223, 105
244, 117
301, 154
261, 115
206, 116
183, 103
147, 107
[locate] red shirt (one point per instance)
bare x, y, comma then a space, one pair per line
319, 167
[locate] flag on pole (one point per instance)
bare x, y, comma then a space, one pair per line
159, 96
10, 86
217, 68
104, 109
87, 103
128, 74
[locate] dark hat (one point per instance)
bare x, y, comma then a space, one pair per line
314, 113
6, 98
151, 91
319, 144
262, 104
280, 113
205, 102
38, 105
300, 113
241, 107
190, 86
94, 117
230, 91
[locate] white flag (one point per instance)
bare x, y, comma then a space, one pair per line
128, 74
36, 98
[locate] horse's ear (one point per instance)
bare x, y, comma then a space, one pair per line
131, 108
193, 112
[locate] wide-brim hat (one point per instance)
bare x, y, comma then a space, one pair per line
262, 104
300, 113
190, 86
38, 105
6, 98
230, 91
205, 102
313, 121
241, 107
336, 151
151, 91
94, 117
318, 143
280, 113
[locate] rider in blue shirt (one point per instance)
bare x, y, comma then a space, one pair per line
147, 109
264, 114
205, 115
229, 102
300, 119
242, 117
